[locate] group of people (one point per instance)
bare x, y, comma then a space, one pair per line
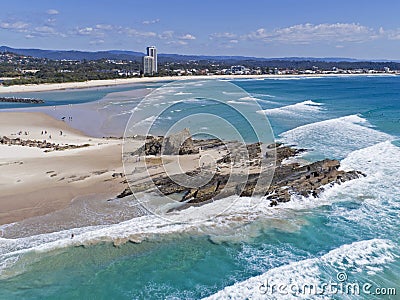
25, 132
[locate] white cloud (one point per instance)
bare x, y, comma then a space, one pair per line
132, 32
306, 33
105, 27
187, 37
52, 12
169, 34
177, 42
96, 42
223, 35
17, 26
44, 29
393, 34
51, 21
148, 22
85, 31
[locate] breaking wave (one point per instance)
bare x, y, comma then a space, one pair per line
305, 108
335, 137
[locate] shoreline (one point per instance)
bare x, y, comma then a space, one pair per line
37, 180
115, 82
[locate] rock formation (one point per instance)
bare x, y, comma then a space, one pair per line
21, 100
284, 179
39, 144
180, 143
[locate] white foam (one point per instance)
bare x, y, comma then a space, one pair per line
145, 122
335, 138
250, 99
295, 77
240, 102
377, 194
182, 93
305, 108
235, 211
263, 95
354, 258
376, 161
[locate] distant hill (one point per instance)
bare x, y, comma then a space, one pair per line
132, 55
74, 55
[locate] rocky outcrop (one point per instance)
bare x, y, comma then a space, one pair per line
304, 181
180, 143
39, 144
21, 100
288, 178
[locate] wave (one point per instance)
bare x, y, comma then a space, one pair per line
248, 99
263, 95
335, 138
355, 258
240, 102
182, 93
236, 212
376, 196
295, 77
299, 109
242, 220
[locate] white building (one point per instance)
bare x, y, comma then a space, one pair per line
239, 70
148, 65
152, 52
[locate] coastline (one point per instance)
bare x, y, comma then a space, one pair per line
115, 82
37, 179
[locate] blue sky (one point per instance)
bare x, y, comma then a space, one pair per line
319, 28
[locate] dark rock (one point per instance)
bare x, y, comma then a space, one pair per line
180, 143
21, 100
288, 179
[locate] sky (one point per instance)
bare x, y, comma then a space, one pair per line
263, 28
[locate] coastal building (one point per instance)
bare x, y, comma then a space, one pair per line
152, 51
238, 70
148, 65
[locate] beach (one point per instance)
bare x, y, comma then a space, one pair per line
35, 182
116, 82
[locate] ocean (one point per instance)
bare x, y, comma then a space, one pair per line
346, 238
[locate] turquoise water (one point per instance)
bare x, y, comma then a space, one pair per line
352, 228
70, 96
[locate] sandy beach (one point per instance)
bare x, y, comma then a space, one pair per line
57, 186
35, 182
112, 82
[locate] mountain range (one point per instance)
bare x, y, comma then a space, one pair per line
162, 57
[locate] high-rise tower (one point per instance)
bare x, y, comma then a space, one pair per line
152, 51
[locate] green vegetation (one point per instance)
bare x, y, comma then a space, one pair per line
28, 70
